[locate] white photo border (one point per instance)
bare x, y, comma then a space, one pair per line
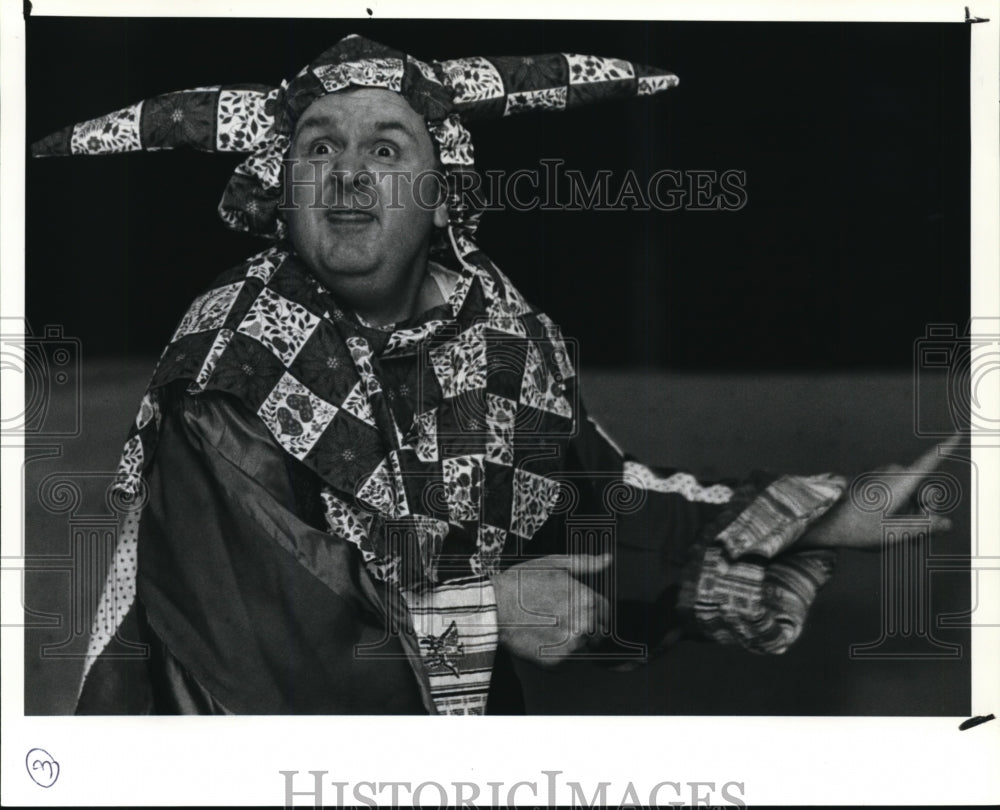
236, 761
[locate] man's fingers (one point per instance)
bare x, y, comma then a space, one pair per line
602, 613
576, 565
949, 444
589, 614
930, 460
906, 480
583, 565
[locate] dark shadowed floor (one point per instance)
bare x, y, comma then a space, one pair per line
714, 426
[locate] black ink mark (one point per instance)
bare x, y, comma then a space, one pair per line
26, 9
969, 19
372, 15
42, 768
972, 722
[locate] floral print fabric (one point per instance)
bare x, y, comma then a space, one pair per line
440, 450
257, 120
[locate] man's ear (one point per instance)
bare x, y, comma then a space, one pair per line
441, 212
441, 215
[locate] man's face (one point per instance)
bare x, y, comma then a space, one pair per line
369, 235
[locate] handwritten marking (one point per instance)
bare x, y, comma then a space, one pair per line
42, 768
972, 722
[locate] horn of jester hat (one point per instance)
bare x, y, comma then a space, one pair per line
258, 120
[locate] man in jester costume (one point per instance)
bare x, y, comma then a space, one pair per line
355, 472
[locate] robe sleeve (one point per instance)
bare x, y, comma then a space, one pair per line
709, 560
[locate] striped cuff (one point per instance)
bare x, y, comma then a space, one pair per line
748, 589
456, 628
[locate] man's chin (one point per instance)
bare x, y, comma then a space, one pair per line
343, 274
342, 264
347, 269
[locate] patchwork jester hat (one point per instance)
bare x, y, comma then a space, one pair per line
259, 120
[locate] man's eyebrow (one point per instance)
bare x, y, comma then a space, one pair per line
395, 126
313, 121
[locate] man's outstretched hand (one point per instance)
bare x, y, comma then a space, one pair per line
848, 526
544, 612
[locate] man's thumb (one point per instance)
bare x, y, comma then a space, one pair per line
582, 565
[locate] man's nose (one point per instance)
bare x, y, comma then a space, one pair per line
348, 169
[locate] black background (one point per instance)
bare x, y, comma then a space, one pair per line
854, 139
855, 236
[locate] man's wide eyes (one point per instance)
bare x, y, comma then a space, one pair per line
386, 151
